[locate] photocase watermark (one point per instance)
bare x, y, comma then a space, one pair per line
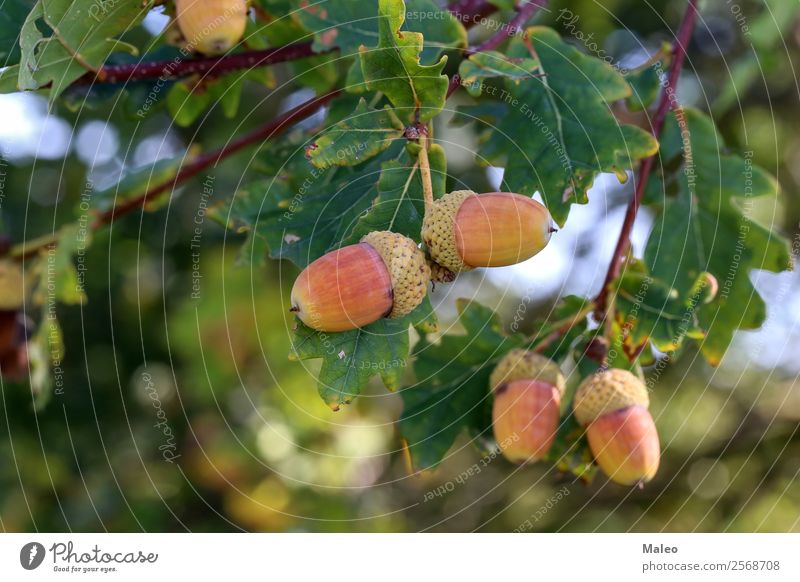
168, 447
543, 510
475, 469
101, 9
522, 309
569, 20
197, 234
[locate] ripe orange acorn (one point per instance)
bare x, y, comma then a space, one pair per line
464, 230
612, 405
527, 390
211, 27
384, 275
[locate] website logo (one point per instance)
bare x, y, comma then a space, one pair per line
31, 555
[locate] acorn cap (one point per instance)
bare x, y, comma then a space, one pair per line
407, 267
12, 288
439, 233
519, 364
606, 392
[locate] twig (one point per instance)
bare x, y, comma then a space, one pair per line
668, 100
425, 171
212, 66
525, 11
274, 127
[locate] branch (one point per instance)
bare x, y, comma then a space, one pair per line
202, 162
468, 12
668, 101
525, 11
214, 66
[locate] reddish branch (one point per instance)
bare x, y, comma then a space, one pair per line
525, 12
206, 160
468, 12
197, 165
668, 101
177, 67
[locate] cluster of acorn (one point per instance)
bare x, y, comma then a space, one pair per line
611, 404
387, 274
13, 328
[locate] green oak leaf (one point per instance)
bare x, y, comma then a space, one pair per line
348, 25
557, 132
399, 205
452, 389
393, 67
12, 17
648, 309
645, 84
706, 227
359, 137
80, 37
305, 211
351, 358
492, 64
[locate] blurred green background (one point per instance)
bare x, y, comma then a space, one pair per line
182, 414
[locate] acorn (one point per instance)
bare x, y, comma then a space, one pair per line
612, 405
464, 230
211, 27
384, 275
527, 390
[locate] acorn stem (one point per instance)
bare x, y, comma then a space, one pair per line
425, 171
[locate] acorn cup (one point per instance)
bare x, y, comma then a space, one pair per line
527, 390
464, 230
384, 275
612, 405
211, 27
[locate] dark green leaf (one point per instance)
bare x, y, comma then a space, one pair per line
351, 358
558, 131
400, 205
393, 67
492, 64
12, 16
348, 25
81, 37
707, 228
359, 137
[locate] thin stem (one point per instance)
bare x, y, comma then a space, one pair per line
668, 101
525, 11
425, 171
202, 162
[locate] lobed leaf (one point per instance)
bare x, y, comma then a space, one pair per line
393, 67
705, 227
556, 133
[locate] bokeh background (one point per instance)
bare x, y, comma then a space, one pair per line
252, 446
